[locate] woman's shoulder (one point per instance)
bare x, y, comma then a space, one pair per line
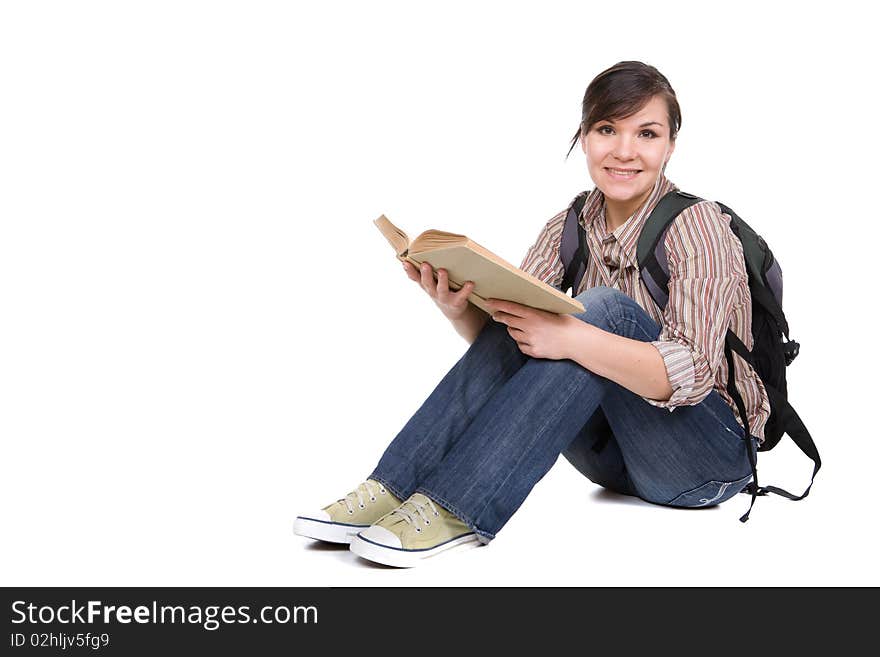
704, 216
554, 227
702, 228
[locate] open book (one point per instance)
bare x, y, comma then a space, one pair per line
465, 260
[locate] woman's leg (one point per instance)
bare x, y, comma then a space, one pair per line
434, 429
594, 452
536, 414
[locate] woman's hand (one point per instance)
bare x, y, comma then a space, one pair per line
538, 333
452, 304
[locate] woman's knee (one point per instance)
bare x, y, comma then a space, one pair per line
603, 306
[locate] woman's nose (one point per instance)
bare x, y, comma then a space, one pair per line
624, 149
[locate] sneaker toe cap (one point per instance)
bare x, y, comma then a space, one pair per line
382, 536
315, 515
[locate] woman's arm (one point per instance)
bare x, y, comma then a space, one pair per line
471, 323
635, 365
707, 277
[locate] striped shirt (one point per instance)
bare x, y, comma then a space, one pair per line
708, 292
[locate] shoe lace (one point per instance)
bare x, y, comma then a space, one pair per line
357, 495
419, 510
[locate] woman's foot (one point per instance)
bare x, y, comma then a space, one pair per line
340, 521
418, 529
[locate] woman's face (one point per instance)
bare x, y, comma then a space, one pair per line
625, 157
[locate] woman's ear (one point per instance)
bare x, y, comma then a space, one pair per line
669, 155
583, 142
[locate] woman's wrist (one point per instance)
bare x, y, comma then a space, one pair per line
470, 323
577, 339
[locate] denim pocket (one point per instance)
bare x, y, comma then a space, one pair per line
711, 493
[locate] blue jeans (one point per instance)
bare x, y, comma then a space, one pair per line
497, 422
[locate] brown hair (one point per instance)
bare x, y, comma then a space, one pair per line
621, 91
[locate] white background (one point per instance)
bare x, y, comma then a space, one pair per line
202, 333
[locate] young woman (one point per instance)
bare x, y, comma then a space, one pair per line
634, 397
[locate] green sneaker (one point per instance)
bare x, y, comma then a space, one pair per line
416, 530
340, 521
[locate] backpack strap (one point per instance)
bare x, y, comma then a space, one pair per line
574, 254
651, 252
798, 432
729, 348
573, 247
789, 419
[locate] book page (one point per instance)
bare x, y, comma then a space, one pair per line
396, 237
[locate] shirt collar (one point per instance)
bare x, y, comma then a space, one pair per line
627, 235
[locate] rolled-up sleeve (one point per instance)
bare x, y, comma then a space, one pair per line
706, 270
542, 259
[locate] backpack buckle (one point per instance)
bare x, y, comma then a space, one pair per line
791, 350
751, 490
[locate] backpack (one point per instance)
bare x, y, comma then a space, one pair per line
772, 350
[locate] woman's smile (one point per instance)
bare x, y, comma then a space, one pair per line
622, 174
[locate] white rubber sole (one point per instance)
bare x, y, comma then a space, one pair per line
401, 558
325, 530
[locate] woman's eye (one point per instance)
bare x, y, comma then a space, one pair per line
607, 130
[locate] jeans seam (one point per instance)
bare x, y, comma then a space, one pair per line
616, 316
634, 323
741, 436
520, 460
620, 316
